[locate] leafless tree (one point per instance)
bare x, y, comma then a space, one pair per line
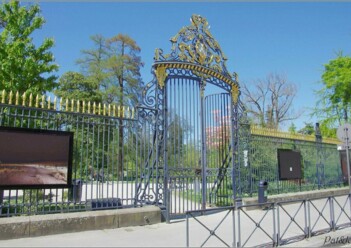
269, 101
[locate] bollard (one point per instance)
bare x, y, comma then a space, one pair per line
262, 192
76, 191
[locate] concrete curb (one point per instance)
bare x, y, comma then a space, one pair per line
41, 225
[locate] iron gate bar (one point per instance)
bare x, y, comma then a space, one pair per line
218, 127
320, 214
292, 220
257, 224
145, 192
342, 208
146, 165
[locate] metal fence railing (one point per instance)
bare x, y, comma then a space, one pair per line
109, 155
271, 224
118, 157
258, 161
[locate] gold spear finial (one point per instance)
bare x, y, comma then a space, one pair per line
89, 107
30, 99
60, 104
55, 103
72, 105
17, 98
133, 113
10, 97
24, 99
67, 108
3, 96
42, 101
49, 102
83, 108
78, 106
37, 101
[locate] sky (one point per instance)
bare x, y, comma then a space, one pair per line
291, 38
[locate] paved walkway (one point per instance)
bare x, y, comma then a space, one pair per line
164, 235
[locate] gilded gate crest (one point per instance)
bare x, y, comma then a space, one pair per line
196, 44
194, 47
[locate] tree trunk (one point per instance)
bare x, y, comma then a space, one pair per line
121, 135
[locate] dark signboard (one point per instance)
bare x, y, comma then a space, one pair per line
289, 164
32, 158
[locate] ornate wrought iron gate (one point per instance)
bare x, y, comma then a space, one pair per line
196, 124
188, 146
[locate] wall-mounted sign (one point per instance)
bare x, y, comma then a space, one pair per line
31, 158
289, 164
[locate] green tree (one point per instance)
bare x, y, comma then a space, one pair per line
24, 66
292, 128
178, 147
308, 129
74, 85
123, 65
334, 103
93, 66
113, 67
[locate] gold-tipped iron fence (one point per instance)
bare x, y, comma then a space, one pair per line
66, 105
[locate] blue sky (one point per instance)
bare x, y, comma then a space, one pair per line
258, 38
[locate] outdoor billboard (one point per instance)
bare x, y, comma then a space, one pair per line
289, 164
33, 158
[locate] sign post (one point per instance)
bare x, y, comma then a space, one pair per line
344, 134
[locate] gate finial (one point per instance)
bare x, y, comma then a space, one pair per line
195, 44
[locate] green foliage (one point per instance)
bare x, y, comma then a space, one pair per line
73, 85
191, 156
180, 154
337, 80
292, 128
23, 65
110, 74
264, 163
334, 103
123, 67
327, 130
308, 129
113, 67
